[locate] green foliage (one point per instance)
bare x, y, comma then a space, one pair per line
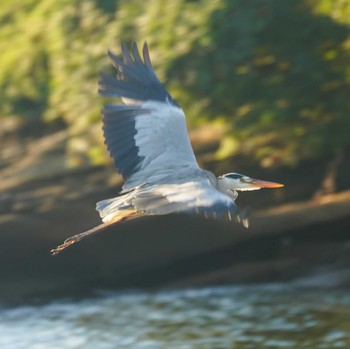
276, 71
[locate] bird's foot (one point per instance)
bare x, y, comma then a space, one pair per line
68, 242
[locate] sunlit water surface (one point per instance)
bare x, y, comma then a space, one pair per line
228, 317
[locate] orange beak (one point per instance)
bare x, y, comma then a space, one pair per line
266, 184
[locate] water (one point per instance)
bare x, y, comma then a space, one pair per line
213, 318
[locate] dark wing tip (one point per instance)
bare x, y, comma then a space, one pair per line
136, 79
126, 54
116, 61
146, 56
136, 54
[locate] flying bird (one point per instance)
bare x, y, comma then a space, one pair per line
146, 136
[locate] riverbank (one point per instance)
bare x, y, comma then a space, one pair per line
42, 203
291, 242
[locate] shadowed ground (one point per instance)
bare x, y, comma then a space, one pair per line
306, 241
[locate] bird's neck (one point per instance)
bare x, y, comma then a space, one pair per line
224, 186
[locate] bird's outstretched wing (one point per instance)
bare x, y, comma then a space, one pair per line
194, 195
189, 197
148, 133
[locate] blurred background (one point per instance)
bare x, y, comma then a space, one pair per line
265, 85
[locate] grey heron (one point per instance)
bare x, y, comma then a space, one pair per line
146, 137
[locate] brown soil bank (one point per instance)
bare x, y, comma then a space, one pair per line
41, 204
282, 244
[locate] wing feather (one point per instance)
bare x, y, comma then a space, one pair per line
146, 56
136, 79
136, 54
149, 132
191, 197
194, 197
126, 54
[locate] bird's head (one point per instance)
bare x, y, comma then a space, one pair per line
235, 181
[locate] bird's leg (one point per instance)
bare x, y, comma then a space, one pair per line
78, 237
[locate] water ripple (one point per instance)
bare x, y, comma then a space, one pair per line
213, 318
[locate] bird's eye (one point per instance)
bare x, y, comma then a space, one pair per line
242, 179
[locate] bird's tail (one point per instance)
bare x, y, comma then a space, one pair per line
110, 209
